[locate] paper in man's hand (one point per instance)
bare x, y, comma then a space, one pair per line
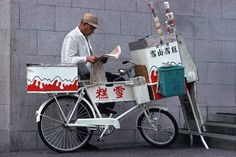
115, 53
97, 73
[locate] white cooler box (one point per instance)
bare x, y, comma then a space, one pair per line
52, 78
149, 54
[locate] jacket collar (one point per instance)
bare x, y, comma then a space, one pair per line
80, 33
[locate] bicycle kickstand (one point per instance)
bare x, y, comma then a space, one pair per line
106, 127
103, 132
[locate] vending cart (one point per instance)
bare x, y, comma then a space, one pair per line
166, 60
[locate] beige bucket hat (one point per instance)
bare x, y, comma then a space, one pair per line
90, 19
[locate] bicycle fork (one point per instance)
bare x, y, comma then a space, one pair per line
150, 118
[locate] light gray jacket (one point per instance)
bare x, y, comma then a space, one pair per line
75, 49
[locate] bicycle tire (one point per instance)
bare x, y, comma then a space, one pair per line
166, 130
54, 134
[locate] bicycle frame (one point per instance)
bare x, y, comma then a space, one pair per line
98, 120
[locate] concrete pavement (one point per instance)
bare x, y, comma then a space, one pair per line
132, 150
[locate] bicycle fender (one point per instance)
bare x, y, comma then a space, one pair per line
38, 112
90, 106
158, 107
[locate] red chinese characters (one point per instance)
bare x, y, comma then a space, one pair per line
119, 91
102, 93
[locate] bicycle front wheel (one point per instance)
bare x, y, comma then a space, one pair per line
52, 125
159, 128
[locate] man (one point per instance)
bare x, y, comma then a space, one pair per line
77, 49
76, 46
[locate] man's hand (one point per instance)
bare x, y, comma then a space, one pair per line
91, 59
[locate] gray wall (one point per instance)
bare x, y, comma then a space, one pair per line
39, 26
4, 74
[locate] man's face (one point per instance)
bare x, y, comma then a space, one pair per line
88, 29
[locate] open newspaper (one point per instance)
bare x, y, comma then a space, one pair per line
97, 68
114, 54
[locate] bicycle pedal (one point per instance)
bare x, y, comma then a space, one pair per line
99, 139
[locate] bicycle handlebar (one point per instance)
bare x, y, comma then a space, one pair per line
127, 72
128, 61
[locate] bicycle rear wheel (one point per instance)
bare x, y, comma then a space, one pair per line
52, 129
159, 128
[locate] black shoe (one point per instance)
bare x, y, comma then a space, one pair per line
90, 147
106, 110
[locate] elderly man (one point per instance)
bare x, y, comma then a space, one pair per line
77, 49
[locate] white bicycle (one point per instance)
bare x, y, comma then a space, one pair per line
66, 121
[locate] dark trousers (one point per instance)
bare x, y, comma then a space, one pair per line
110, 78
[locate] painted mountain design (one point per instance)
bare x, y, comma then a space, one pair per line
57, 84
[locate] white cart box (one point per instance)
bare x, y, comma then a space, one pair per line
52, 78
119, 91
111, 92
